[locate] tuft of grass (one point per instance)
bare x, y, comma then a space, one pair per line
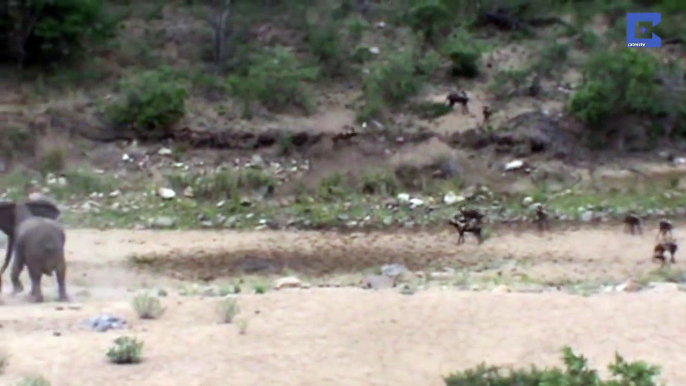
222, 185
260, 288
148, 306
4, 361
126, 350
242, 326
430, 110
228, 309
33, 380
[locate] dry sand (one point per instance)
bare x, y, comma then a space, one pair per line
345, 336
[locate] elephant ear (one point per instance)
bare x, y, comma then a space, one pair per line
43, 208
7, 217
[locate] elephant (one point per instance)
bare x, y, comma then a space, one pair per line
39, 207
40, 247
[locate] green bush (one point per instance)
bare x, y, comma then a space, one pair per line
618, 83
333, 43
390, 81
276, 80
430, 18
575, 373
150, 104
463, 53
126, 350
59, 29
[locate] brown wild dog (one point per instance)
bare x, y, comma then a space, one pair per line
660, 249
458, 97
463, 227
542, 218
471, 214
348, 133
487, 113
632, 224
659, 253
665, 229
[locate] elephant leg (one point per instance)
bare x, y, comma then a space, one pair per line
17, 267
36, 292
61, 273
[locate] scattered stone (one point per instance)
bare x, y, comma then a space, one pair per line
403, 197
104, 323
514, 165
188, 192
415, 203
527, 201
374, 50
441, 275
587, 216
451, 198
166, 193
393, 270
377, 282
629, 286
287, 282
163, 222
164, 151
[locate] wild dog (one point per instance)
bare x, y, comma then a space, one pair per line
664, 229
541, 218
632, 224
348, 133
463, 227
487, 113
471, 214
458, 97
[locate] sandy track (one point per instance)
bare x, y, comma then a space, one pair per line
345, 336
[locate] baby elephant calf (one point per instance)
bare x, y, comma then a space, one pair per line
39, 246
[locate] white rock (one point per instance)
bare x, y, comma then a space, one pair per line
403, 197
415, 202
587, 216
514, 165
166, 193
374, 50
451, 198
381, 25
164, 151
188, 192
125, 157
287, 282
35, 196
527, 201
115, 193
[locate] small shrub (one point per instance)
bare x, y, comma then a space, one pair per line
242, 326
463, 53
126, 350
430, 18
380, 183
576, 372
14, 141
83, 183
4, 361
260, 288
276, 79
148, 306
228, 309
53, 160
34, 380
151, 103
391, 81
